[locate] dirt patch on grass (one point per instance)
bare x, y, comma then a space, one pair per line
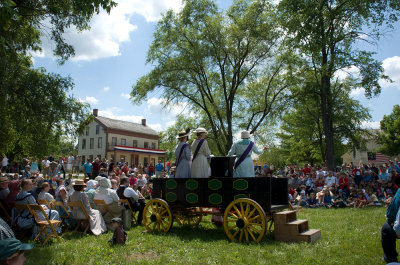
149, 255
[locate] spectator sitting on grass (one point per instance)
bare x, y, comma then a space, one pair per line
340, 200
301, 199
312, 201
360, 201
119, 236
373, 199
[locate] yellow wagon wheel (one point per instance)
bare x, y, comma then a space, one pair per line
189, 217
244, 219
157, 216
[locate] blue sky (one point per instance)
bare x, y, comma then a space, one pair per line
112, 56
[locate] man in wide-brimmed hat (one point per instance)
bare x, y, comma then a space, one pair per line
243, 149
183, 155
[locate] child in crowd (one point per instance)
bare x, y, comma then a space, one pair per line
119, 236
312, 201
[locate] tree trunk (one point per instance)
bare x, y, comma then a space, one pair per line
327, 121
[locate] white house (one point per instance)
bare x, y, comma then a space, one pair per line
120, 140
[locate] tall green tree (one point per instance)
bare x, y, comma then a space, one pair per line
36, 107
389, 136
228, 66
325, 33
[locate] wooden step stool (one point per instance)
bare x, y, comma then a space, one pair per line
288, 228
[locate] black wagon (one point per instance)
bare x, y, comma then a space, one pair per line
246, 204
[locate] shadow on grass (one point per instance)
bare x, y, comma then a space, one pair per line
208, 232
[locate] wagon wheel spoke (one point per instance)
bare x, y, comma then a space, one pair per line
241, 235
246, 234
251, 234
234, 215
237, 211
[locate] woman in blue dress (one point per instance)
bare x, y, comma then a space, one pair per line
183, 155
245, 168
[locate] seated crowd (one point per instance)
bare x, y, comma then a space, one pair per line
347, 186
106, 188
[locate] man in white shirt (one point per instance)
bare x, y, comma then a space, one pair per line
330, 180
45, 167
4, 164
71, 159
135, 198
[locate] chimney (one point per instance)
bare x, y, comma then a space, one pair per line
144, 122
95, 112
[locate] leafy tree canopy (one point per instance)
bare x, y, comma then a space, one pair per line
230, 67
389, 136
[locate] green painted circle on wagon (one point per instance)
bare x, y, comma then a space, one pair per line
192, 184
214, 184
171, 184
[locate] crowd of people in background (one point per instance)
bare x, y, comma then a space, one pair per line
348, 186
63, 181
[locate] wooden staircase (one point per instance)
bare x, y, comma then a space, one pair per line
288, 228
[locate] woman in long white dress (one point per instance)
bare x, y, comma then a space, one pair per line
183, 156
200, 166
97, 224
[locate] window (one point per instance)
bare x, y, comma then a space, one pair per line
83, 143
91, 143
113, 141
83, 161
99, 157
134, 144
123, 142
112, 157
146, 145
99, 142
145, 161
87, 131
122, 158
153, 145
91, 158
97, 129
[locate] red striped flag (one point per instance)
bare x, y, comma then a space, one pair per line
376, 157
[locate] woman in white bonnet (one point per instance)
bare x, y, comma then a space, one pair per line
201, 152
106, 193
183, 155
245, 168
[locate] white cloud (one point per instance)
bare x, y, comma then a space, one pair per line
106, 88
110, 113
392, 69
156, 126
125, 95
347, 72
108, 31
371, 124
357, 92
90, 100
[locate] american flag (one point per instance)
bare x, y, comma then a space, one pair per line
377, 157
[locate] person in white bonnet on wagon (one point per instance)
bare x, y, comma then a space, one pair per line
244, 167
200, 151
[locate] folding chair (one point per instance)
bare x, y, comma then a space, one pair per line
79, 205
101, 205
20, 233
63, 217
6, 214
133, 213
47, 203
52, 224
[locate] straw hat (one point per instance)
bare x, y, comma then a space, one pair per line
79, 182
183, 134
4, 179
200, 130
245, 134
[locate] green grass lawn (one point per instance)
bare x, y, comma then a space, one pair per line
349, 236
